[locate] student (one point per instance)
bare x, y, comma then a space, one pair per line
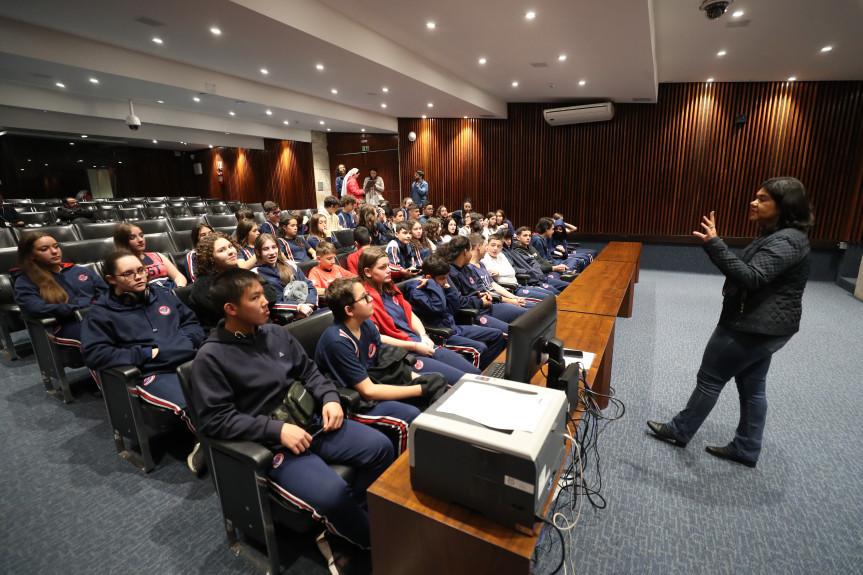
331, 206
426, 211
398, 324
243, 372
489, 225
441, 212
458, 215
500, 217
431, 233
350, 346
291, 244
474, 293
524, 263
404, 260
113, 334
501, 269
47, 287
216, 253
471, 224
527, 249
272, 213
362, 240
9, 217
323, 274
559, 242
436, 302
450, 227
199, 232
541, 242
302, 298
420, 246
394, 218
368, 218
347, 217
161, 273
477, 253
318, 230
413, 212
247, 233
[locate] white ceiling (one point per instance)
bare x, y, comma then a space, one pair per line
621, 49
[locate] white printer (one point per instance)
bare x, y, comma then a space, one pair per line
491, 445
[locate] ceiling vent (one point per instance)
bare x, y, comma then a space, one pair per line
579, 114
539, 64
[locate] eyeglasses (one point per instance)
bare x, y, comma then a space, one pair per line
142, 271
365, 296
275, 212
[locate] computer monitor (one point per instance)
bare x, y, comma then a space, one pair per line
532, 343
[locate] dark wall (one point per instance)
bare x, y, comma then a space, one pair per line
655, 169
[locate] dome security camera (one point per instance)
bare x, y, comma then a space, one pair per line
412, 136
714, 9
133, 121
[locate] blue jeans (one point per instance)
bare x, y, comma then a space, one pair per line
746, 358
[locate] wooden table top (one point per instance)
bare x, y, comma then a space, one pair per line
605, 274
620, 252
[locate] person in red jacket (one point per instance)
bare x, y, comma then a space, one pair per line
351, 186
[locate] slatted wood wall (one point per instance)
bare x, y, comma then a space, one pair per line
655, 168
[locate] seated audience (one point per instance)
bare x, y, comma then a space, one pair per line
247, 232
243, 214
431, 233
477, 253
525, 248
45, 286
199, 232
291, 243
241, 376
348, 217
421, 246
458, 215
450, 230
327, 270
72, 213
404, 259
9, 217
161, 273
318, 230
426, 212
331, 206
541, 242
294, 291
441, 212
500, 217
362, 240
527, 264
272, 212
398, 324
501, 269
368, 218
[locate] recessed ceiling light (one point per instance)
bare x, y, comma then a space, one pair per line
319, 66
60, 85
269, 112
721, 53
82, 135
431, 105
264, 71
385, 89
530, 15
329, 129
334, 91
215, 31
96, 81
71, 143
826, 48
465, 117
93, 166
430, 25
155, 141
562, 57
738, 14
196, 99
582, 82
424, 116
120, 162
286, 122
482, 60
160, 101
363, 130
231, 114
211, 145
322, 122
792, 78
383, 105
158, 40
709, 80
515, 84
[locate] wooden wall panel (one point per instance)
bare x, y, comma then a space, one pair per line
655, 169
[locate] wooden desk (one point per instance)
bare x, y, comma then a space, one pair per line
622, 252
604, 287
418, 534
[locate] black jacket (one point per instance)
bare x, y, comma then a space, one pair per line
763, 291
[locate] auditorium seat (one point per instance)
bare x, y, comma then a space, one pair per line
95, 230
179, 211
154, 212
153, 226
184, 223
88, 251
256, 207
221, 220
130, 214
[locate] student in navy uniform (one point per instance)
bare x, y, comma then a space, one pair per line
242, 373
272, 213
247, 233
350, 346
477, 253
197, 233
526, 248
368, 218
161, 273
541, 241
348, 217
318, 230
436, 303
279, 272
47, 287
150, 329
526, 264
502, 221
400, 326
502, 270
291, 244
404, 258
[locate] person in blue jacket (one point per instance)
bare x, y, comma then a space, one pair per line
151, 329
243, 372
419, 188
291, 244
47, 287
301, 297
436, 303
541, 241
350, 346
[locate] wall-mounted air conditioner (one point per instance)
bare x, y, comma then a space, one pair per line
579, 114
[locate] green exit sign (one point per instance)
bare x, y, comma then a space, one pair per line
365, 149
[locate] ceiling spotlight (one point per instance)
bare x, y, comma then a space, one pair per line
322, 122
158, 41
465, 117
826, 48
582, 82
196, 99
709, 80
264, 71
530, 15
334, 91
60, 85
160, 101
269, 112
329, 129
71, 143
363, 130
383, 105
482, 60
231, 114
319, 66
211, 145
286, 122
82, 135
515, 84
385, 89
95, 81
431, 105
721, 53
738, 14
424, 116
792, 79
215, 31
155, 141
430, 25
562, 57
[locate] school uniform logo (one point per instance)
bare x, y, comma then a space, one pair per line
277, 460
470, 280
82, 277
525, 292
149, 379
373, 349
165, 310
418, 365
483, 320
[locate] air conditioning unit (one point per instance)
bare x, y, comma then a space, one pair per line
579, 114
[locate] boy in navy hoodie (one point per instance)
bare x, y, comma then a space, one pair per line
242, 373
150, 329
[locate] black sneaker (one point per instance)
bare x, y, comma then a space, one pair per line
196, 460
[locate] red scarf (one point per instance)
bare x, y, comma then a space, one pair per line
382, 319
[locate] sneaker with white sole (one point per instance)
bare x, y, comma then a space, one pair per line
196, 460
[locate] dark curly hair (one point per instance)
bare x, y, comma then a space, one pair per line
204, 262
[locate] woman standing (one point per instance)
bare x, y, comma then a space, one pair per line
373, 187
350, 185
761, 308
161, 273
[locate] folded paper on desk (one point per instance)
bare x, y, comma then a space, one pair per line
586, 360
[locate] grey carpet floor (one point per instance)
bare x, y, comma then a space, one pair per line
70, 505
